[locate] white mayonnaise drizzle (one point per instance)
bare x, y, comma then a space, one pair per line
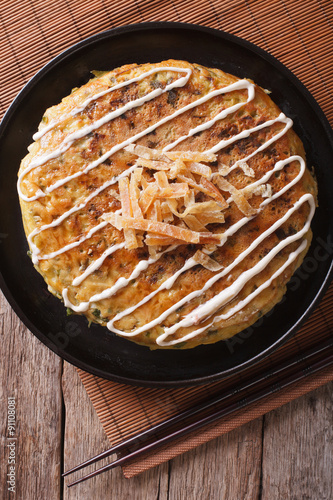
197, 314
79, 134
203, 311
291, 258
241, 84
126, 83
97, 263
119, 284
222, 298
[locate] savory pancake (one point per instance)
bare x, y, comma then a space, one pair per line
169, 202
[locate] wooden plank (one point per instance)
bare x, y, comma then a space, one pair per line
226, 468
85, 437
298, 448
31, 374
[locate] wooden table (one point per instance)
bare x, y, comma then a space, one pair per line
287, 454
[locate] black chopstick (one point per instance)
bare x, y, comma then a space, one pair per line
145, 435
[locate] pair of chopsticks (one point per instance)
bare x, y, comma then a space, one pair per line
305, 364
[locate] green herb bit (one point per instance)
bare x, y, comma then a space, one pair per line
97, 313
180, 345
212, 332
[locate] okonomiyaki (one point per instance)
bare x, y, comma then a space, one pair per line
169, 202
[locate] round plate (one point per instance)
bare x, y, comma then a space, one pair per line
95, 349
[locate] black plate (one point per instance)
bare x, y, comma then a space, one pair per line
96, 350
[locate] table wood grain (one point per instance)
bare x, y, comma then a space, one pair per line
287, 454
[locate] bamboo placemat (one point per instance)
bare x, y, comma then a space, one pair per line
300, 35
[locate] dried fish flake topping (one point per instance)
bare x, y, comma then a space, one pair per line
176, 203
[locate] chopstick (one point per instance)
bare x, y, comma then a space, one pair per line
144, 436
